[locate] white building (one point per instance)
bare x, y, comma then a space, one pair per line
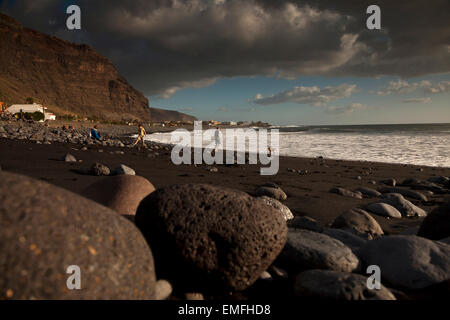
49, 116
31, 108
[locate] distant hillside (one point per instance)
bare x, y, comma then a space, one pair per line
66, 77
160, 115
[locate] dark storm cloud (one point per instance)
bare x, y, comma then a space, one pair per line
166, 45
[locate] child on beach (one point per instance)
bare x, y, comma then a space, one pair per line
141, 136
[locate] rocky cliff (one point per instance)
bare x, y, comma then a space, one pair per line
66, 77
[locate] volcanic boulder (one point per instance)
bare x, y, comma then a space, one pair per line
46, 229
210, 236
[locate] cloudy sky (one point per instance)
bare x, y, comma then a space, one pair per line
286, 61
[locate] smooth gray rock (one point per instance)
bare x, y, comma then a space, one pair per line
358, 222
346, 193
439, 180
405, 207
384, 210
163, 290
406, 193
272, 192
69, 158
124, 170
349, 239
424, 185
409, 262
368, 192
306, 223
284, 210
335, 285
445, 240
306, 249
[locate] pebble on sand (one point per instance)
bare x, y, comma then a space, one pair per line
384, 210
346, 193
311, 250
358, 222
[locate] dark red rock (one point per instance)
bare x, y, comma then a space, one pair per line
120, 193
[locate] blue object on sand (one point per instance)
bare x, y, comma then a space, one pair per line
94, 134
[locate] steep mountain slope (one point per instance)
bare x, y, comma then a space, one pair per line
66, 77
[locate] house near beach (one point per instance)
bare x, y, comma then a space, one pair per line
31, 108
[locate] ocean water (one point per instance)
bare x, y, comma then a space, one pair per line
418, 144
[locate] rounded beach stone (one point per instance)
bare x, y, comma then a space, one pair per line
46, 229
436, 225
163, 290
368, 192
272, 192
306, 249
346, 193
358, 222
284, 210
406, 193
306, 223
351, 240
409, 262
121, 193
406, 207
335, 285
69, 158
98, 169
384, 210
207, 235
124, 170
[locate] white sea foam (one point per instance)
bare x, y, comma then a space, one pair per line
399, 147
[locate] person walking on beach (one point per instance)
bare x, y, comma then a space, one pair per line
141, 136
217, 138
94, 133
